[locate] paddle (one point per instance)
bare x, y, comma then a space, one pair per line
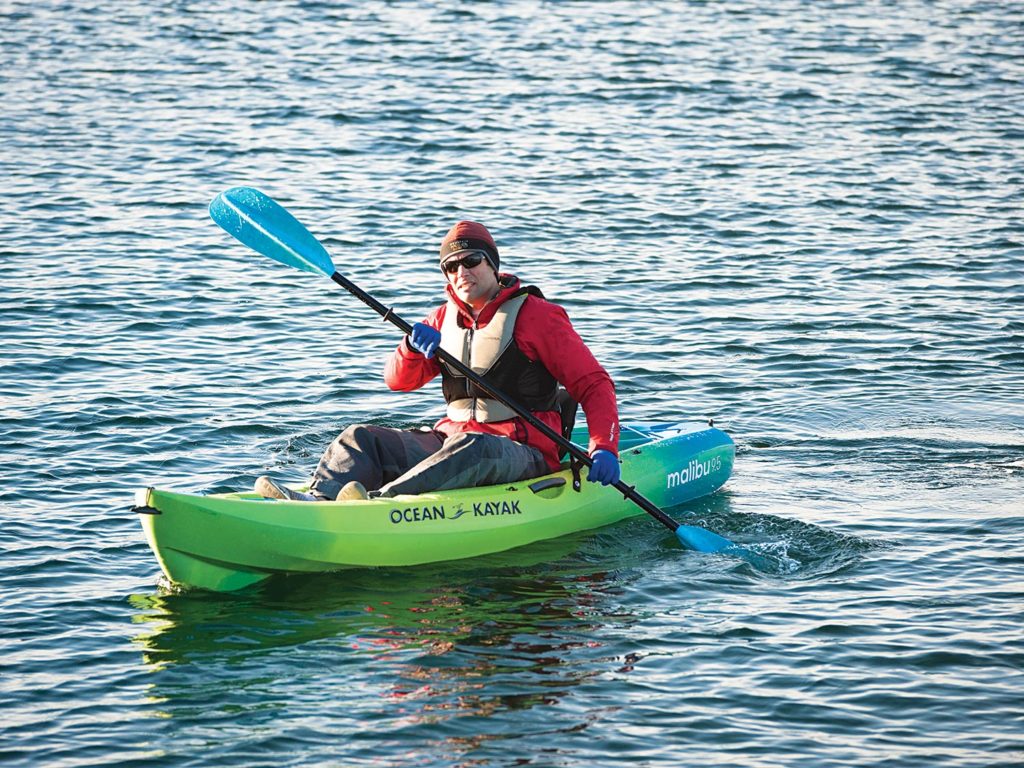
253, 218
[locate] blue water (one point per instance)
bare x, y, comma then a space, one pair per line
800, 219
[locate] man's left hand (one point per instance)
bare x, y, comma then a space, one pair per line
605, 469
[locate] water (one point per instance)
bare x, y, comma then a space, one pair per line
800, 219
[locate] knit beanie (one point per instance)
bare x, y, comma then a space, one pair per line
470, 236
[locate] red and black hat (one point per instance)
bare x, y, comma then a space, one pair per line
470, 236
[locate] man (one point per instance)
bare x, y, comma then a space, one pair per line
519, 342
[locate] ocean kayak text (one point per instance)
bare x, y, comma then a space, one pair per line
694, 471
482, 509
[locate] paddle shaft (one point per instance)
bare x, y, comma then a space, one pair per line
388, 315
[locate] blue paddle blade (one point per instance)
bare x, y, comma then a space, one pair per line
254, 219
703, 540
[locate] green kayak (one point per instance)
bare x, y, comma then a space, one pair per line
225, 542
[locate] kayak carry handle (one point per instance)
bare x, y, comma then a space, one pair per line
543, 485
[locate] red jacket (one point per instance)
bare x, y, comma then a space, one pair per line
542, 332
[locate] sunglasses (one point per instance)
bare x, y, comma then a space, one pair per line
469, 261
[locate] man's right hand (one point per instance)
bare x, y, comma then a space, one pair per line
425, 339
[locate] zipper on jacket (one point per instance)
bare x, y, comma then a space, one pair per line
473, 327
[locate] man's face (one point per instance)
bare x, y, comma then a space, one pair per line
476, 284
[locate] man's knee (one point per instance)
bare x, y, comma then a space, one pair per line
357, 434
352, 431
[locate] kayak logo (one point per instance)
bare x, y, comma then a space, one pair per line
497, 508
695, 470
429, 514
417, 514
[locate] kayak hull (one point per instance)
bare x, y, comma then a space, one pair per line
226, 542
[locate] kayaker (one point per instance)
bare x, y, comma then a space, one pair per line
526, 345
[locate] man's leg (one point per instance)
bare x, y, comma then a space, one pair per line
372, 455
467, 460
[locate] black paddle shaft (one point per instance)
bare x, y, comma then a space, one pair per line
388, 315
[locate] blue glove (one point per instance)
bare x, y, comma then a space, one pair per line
425, 339
605, 469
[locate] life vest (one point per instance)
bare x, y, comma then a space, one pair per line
491, 352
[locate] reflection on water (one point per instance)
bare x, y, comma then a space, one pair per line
407, 649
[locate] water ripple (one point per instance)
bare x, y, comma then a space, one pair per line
799, 219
